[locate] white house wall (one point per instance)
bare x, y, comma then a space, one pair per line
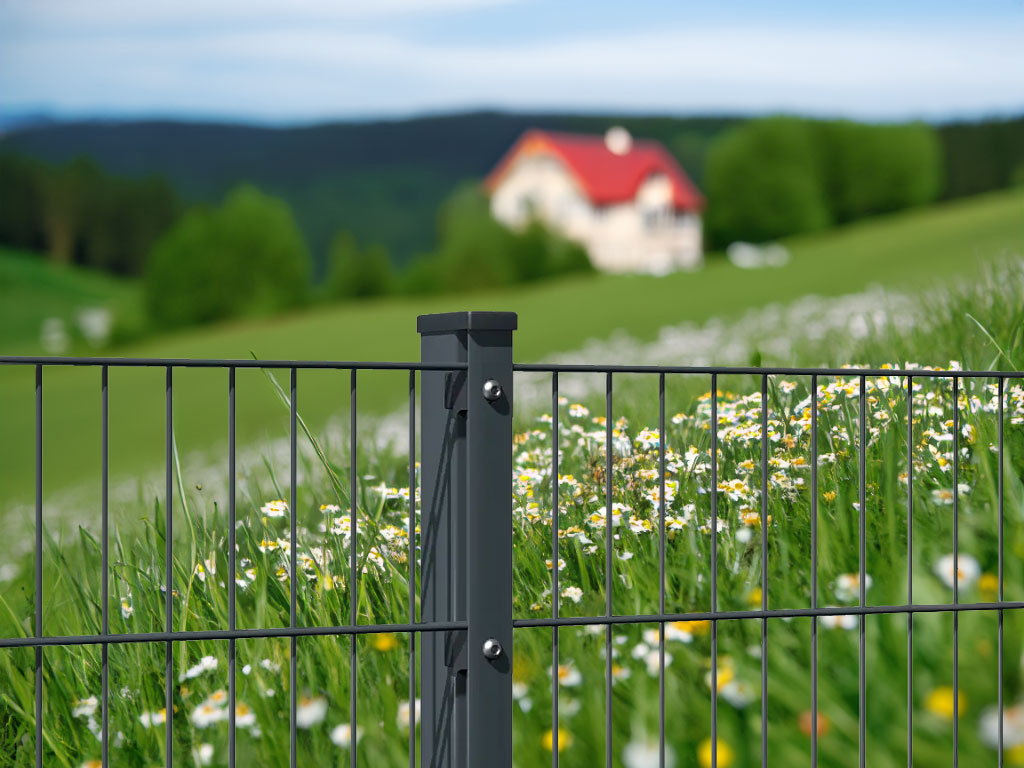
643, 235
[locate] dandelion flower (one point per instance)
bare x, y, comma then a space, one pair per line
311, 711
384, 642
92, 764
988, 586
940, 702
564, 740
724, 754
964, 573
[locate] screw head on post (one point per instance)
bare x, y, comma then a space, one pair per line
492, 648
492, 390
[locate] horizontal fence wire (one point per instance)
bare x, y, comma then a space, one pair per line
159, 362
725, 370
771, 613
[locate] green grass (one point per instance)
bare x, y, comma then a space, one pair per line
33, 289
905, 251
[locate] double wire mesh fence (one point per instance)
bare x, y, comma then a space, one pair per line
486, 515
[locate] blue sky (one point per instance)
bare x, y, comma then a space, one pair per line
302, 60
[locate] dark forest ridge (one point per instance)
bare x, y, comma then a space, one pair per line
384, 179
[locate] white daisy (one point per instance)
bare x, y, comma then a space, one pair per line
965, 571
311, 711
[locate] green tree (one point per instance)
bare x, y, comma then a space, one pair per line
764, 180
245, 258
352, 273
871, 169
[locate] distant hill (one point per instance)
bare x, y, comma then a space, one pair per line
381, 180
384, 180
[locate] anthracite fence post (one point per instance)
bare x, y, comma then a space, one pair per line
466, 539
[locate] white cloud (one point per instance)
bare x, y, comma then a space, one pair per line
78, 16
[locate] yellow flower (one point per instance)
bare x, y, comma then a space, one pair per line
1014, 755
940, 702
829, 495
385, 641
988, 587
92, 764
754, 598
564, 740
695, 627
725, 754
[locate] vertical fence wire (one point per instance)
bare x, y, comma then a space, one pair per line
555, 597
862, 578
412, 568
608, 565
292, 669
353, 573
661, 570
999, 737
39, 565
232, 576
714, 569
956, 571
105, 567
169, 570
910, 571
814, 570
764, 570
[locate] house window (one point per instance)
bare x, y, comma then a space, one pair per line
655, 216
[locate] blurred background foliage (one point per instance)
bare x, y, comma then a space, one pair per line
349, 211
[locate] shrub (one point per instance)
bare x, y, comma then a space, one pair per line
246, 257
355, 274
475, 251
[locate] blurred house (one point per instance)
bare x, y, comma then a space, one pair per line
627, 202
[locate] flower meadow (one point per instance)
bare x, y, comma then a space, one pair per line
951, 468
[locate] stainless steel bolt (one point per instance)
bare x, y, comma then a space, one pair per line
492, 648
492, 390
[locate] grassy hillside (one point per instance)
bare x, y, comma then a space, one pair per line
32, 289
907, 251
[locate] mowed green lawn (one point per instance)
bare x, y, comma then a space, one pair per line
907, 251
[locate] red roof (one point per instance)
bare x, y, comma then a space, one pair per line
604, 176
